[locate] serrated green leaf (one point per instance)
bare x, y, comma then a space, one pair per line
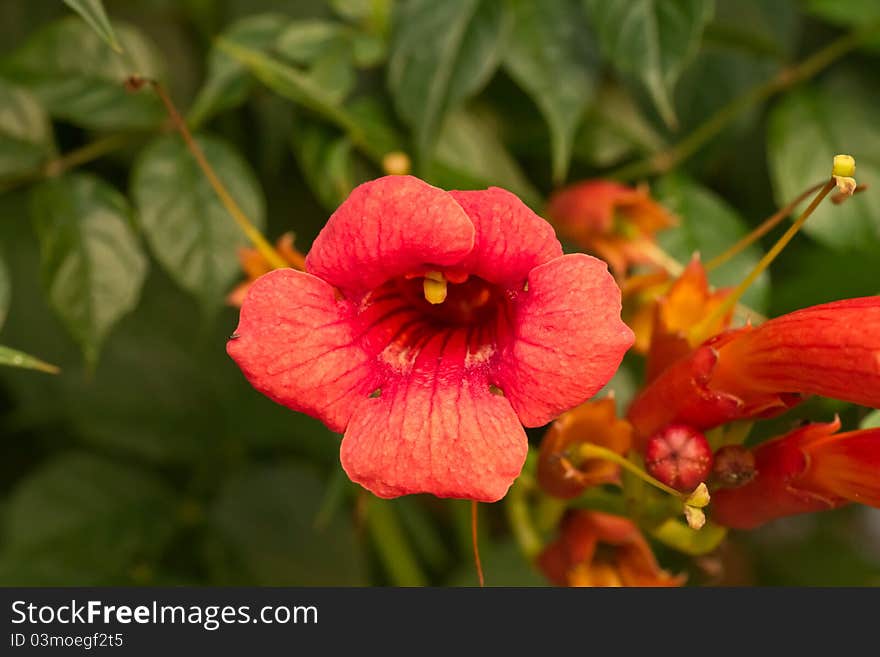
441, 54
550, 56
188, 229
26, 139
265, 516
709, 226
291, 83
228, 82
84, 520
652, 40
326, 159
333, 71
304, 41
806, 130
80, 79
92, 12
14, 358
614, 129
470, 155
92, 264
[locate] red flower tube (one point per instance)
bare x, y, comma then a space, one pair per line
831, 350
810, 469
428, 327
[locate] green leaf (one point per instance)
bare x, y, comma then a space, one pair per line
84, 520
265, 516
679, 536
5, 290
26, 139
291, 83
80, 79
614, 129
228, 82
549, 56
652, 40
853, 13
92, 12
441, 54
92, 264
709, 226
871, 421
470, 155
189, 230
302, 42
326, 160
806, 129
13, 358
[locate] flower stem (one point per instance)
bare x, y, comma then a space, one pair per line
702, 331
246, 225
668, 159
476, 542
766, 226
77, 157
389, 539
520, 518
592, 451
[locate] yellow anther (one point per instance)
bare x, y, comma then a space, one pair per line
844, 165
434, 285
843, 171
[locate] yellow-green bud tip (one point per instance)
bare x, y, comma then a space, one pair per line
434, 285
844, 165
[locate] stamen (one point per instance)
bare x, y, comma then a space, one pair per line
434, 285
702, 331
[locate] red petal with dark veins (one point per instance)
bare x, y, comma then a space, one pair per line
436, 428
386, 228
568, 341
295, 343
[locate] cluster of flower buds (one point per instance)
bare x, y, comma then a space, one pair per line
705, 377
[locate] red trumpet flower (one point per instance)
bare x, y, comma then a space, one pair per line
809, 469
831, 350
428, 327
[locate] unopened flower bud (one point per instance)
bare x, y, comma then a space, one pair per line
734, 466
679, 456
396, 163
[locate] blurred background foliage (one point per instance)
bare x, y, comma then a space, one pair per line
149, 460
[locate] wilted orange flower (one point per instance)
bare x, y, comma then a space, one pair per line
562, 472
641, 293
254, 265
614, 221
599, 549
689, 301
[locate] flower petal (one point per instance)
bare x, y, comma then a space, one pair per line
510, 241
438, 429
569, 338
295, 344
389, 227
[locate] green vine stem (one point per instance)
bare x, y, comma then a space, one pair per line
668, 159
